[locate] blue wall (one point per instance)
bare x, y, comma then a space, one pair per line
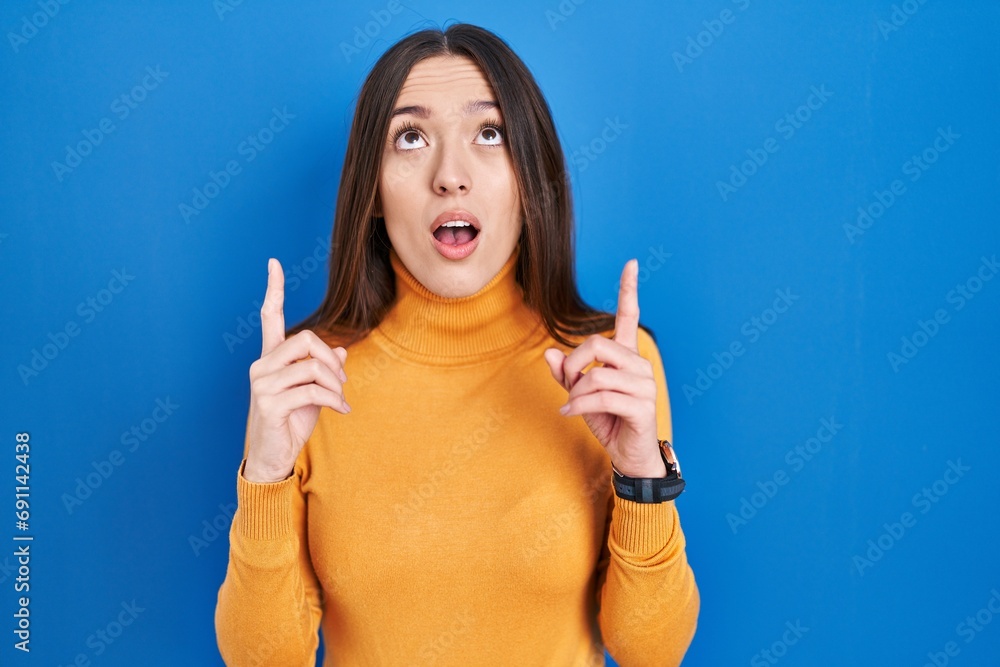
810, 188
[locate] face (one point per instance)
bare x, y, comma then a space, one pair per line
446, 156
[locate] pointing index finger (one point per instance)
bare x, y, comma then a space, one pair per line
627, 316
272, 313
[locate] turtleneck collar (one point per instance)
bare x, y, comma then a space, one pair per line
457, 330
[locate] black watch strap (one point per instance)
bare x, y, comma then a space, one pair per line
652, 489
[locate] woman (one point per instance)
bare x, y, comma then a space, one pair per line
453, 504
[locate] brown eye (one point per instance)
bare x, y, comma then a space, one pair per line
493, 134
407, 138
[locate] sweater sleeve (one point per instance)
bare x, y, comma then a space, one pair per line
648, 601
270, 604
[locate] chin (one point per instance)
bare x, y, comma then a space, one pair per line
465, 281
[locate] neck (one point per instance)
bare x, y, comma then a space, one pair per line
457, 330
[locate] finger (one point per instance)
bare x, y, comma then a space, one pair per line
298, 347
604, 378
272, 311
310, 371
341, 353
627, 316
309, 394
597, 348
606, 402
555, 357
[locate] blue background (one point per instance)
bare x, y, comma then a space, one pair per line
647, 189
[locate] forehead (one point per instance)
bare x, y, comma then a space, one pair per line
450, 79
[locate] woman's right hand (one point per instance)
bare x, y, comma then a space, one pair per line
289, 384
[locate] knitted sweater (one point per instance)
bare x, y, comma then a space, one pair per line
454, 517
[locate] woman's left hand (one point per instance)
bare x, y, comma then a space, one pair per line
618, 399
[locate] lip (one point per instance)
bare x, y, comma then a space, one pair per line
456, 251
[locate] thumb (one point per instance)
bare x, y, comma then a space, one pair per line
555, 357
341, 353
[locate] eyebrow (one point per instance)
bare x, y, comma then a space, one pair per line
473, 107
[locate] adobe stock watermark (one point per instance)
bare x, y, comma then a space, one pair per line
479, 434
968, 629
402, 170
924, 501
796, 459
654, 261
247, 325
556, 189
589, 152
87, 311
337, 579
212, 529
432, 649
914, 168
223, 7
779, 648
372, 367
121, 107
899, 16
266, 643
698, 43
102, 638
7, 569
572, 514
251, 147
752, 329
102, 469
646, 611
365, 34
561, 13
32, 23
786, 127
958, 297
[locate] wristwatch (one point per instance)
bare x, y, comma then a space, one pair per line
652, 489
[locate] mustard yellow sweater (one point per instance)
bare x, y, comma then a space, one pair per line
454, 517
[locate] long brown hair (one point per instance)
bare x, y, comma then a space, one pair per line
361, 286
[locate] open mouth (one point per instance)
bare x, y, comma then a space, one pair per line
456, 232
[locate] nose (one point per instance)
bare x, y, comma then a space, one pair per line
451, 173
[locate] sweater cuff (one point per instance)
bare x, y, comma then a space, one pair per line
263, 510
642, 529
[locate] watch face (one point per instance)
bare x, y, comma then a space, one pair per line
669, 455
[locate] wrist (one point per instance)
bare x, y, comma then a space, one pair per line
255, 476
647, 489
654, 469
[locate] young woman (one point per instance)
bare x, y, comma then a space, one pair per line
429, 457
